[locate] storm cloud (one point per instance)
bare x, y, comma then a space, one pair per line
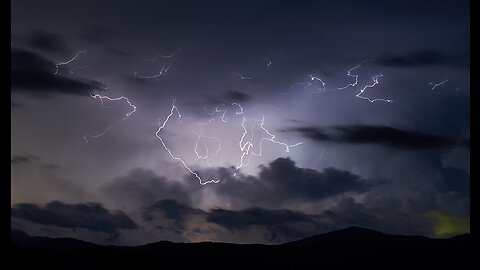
283, 182
423, 58
91, 216
380, 135
381, 165
35, 75
19, 159
142, 187
46, 41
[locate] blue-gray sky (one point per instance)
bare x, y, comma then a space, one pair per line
399, 167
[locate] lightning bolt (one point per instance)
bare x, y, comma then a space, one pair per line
269, 62
375, 82
319, 89
269, 57
162, 71
163, 56
355, 76
248, 145
134, 108
204, 145
272, 139
173, 110
199, 136
224, 111
245, 144
307, 84
243, 77
224, 119
435, 85
68, 61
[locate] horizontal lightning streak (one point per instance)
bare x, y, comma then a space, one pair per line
162, 71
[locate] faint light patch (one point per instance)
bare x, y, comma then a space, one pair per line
448, 225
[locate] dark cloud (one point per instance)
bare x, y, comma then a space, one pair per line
228, 96
279, 224
288, 180
243, 219
172, 210
24, 159
278, 183
386, 213
237, 96
35, 75
28, 158
46, 41
283, 182
224, 38
382, 135
142, 187
91, 216
137, 80
422, 58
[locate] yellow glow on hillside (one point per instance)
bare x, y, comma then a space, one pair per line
446, 225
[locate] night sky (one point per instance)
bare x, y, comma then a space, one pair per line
294, 118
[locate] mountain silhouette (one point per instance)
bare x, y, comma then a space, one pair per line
352, 248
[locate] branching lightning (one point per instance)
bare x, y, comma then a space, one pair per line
224, 111
375, 82
200, 135
319, 89
245, 147
246, 143
355, 76
272, 139
162, 126
134, 108
307, 84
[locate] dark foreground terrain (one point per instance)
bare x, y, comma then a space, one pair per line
352, 248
